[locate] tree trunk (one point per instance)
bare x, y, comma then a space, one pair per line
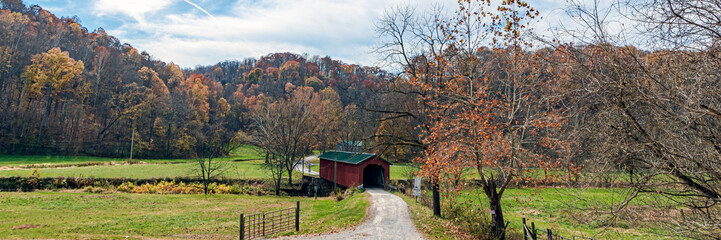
436, 200
44, 118
277, 186
290, 171
205, 186
290, 177
151, 132
498, 228
169, 136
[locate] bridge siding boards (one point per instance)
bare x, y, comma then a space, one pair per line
350, 167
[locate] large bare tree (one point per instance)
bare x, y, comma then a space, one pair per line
656, 114
410, 39
285, 127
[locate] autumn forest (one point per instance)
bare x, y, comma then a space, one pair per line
67, 90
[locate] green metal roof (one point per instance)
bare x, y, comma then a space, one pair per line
348, 157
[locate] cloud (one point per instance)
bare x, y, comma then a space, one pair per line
133, 8
200, 8
343, 29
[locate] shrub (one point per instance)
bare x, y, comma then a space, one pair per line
131, 162
165, 187
96, 190
472, 218
31, 183
60, 182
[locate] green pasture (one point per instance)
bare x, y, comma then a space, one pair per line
243, 162
243, 169
65, 215
245, 152
21, 160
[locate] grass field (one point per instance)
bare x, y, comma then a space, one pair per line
243, 169
559, 210
246, 169
117, 215
20, 160
245, 152
243, 162
60, 215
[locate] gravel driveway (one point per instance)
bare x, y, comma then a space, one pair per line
388, 218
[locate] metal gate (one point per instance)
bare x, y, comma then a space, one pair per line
262, 224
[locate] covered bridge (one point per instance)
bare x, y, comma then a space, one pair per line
351, 169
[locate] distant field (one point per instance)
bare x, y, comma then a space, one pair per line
245, 152
248, 165
14, 160
244, 169
120, 215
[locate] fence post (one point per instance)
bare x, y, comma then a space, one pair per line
550, 234
525, 234
263, 224
242, 227
297, 216
533, 227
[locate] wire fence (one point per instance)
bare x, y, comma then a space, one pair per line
533, 233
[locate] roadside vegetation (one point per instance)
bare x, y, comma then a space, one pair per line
549, 208
432, 227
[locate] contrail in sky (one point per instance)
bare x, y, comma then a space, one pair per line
201, 9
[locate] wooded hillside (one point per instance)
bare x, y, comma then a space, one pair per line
67, 90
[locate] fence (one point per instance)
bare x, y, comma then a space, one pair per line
532, 233
258, 225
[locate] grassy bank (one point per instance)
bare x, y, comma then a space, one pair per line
556, 208
430, 226
115, 216
565, 211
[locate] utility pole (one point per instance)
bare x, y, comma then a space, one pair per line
302, 170
335, 175
132, 141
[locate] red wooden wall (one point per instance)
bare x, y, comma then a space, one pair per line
350, 175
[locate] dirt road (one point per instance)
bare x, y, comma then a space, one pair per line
388, 218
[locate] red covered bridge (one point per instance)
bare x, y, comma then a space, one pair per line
351, 169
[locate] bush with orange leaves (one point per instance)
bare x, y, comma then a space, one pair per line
165, 187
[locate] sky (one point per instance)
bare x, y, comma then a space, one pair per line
205, 32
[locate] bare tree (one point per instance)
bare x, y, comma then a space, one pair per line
409, 40
208, 166
275, 165
656, 114
284, 128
